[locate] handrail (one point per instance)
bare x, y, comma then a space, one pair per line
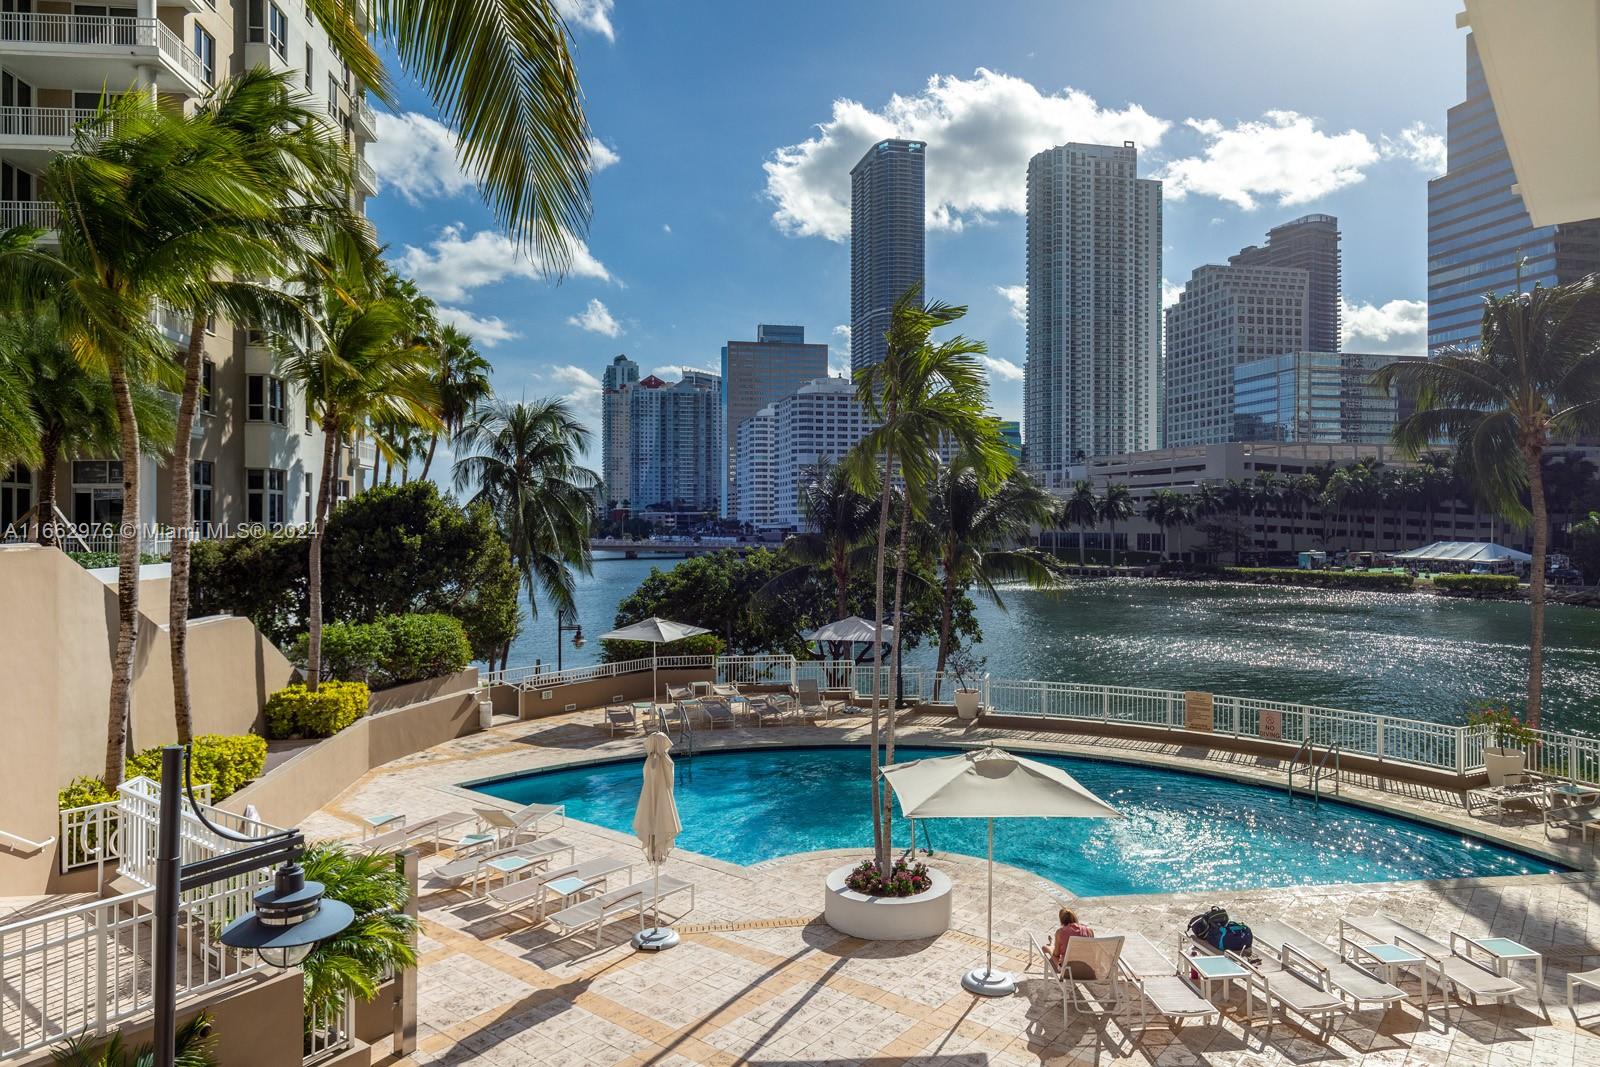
27, 843
1294, 761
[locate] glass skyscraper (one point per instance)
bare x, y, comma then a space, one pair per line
1313, 396
887, 240
1478, 229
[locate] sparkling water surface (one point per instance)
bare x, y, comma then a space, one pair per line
1178, 832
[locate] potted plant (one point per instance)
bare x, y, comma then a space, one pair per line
966, 667
1501, 760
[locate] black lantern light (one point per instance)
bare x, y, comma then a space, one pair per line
289, 920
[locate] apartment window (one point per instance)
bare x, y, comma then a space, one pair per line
96, 491
205, 49
16, 496
15, 184
278, 30
265, 399
208, 382
265, 495
310, 60
200, 487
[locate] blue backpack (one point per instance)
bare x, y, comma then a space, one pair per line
1215, 929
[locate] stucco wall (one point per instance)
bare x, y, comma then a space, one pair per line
537, 703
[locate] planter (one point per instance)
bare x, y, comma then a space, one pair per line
886, 918
1503, 764
967, 703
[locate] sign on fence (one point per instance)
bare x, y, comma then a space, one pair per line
1198, 712
1270, 725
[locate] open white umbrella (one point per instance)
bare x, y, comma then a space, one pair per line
657, 632
656, 825
852, 631
988, 783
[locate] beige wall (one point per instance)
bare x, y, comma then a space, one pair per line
537, 703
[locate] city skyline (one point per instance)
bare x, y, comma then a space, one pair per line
741, 217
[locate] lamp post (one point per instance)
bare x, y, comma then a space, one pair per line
564, 624
288, 921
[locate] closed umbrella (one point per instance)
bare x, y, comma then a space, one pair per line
657, 632
656, 825
988, 783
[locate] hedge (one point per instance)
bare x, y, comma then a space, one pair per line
1380, 580
392, 651
96, 560
1494, 584
296, 711
228, 763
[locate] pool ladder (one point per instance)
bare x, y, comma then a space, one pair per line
1316, 769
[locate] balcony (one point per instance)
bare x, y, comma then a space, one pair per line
366, 177
40, 127
40, 213
366, 119
113, 47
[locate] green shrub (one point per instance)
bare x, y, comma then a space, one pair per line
1494, 584
352, 651
1380, 580
83, 792
423, 646
335, 705
227, 763
90, 561
621, 651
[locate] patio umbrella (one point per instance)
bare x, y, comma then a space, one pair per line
657, 632
853, 631
988, 783
656, 825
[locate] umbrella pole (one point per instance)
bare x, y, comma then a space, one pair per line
985, 982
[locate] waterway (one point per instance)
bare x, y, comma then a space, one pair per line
1408, 655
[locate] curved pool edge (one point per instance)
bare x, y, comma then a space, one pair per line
1573, 860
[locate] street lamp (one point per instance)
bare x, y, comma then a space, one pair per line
289, 920
564, 623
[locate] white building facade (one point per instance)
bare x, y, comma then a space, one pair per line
753, 495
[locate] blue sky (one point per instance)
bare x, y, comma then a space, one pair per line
729, 130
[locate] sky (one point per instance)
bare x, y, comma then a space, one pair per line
724, 133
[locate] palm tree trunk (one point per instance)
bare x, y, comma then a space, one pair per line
330, 456
127, 583
894, 664
178, 595
946, 614
1112, 544
44, 510
433, 443
841, 584
880, 847
1081, 562
1541, 539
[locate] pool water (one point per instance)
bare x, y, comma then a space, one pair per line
1179, 832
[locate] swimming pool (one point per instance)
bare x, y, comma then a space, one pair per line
1179, 832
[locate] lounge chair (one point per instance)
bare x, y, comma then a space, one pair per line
1446, 968
1293, 982
466, 867
717, 711
1573, 818
1164, 985
535, 890
1349, 979
620, 717
770, 709
670, 715
619, 903
405, 836
510, 827
809, 693
1089, 962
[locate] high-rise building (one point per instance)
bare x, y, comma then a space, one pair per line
818, 423
1310, 243
675, 444
756, 470
1093, 381
615, 431
755, 373
1480, 238
886, 240
256, 456
1226, 316
1314, 396
1011, 434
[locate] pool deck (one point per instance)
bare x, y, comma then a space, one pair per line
759, 978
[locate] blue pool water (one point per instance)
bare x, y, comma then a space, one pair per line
1179, 832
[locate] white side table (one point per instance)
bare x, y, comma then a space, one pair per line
1504, 952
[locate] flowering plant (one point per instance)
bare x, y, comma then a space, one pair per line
903, 880
1502, 724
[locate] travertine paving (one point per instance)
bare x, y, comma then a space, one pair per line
758, 977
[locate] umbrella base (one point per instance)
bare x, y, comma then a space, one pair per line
987, 983
655, 939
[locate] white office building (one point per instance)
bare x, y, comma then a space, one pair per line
753, 495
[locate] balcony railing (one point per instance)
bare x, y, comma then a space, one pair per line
40, 213
179, 54
101, 31
366, 119
366, 177
53, 122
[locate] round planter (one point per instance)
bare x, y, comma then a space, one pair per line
887, 918
967, 703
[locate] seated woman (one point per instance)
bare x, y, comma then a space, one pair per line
1070, 928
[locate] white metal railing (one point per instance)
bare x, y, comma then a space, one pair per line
181, 54
540, 677
365, 117
366, 177
139, 815
42, 214
58, 122
329, 1030
91, 835
114, 31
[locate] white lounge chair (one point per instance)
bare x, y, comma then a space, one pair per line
1349, 979
536, 891
812, 702
1293, 982
620, 717
1164, 985
466, 867
1089, 967
717, 710
431, 828
1447, 969
510, 827
770, 709
638, 898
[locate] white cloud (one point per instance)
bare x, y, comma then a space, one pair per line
1418, 144
1017, 297
1170, 291
591, 15
455, 263
488, 331
1283, 157
583, 388
666, 227
601, 155
1396, 326
839, 355
1002, 368
842, 331
416, 156
981, 133
596, 318
674, 371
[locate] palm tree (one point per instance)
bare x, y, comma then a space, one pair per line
193, 1044
975, 537
1533, 379
523, 459
840, 523
1080, 511
1168, 508
1116, 506
357, 366
922, 394
1336, 491
1266, 495
463, 384
1238, 499
377, 943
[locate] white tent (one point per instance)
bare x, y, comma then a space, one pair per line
1468, 552
988, 783
658, 632
656, 825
